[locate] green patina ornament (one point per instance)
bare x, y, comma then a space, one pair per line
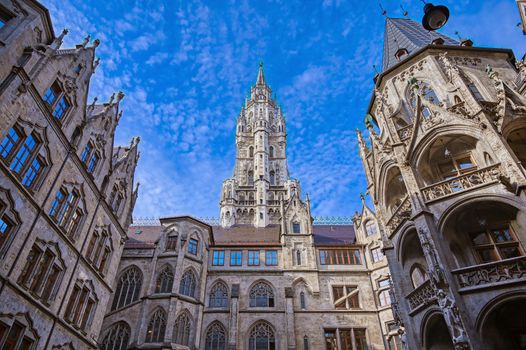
368, 120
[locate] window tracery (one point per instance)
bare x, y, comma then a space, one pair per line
128, 288
219, 295
117, 337
261, 295
182, 329
156, 327
215, 337
187, 286
165, 280
262, 337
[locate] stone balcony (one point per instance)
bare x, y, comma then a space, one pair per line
422, 296
459, 184
490, 274
401, 213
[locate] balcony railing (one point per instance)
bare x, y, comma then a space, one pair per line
470, 180
247, 202
422, 296
273, 202
401, 213
486, 275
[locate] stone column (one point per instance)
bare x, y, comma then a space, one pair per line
289, 315
234, 317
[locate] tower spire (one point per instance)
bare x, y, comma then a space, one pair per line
261, 77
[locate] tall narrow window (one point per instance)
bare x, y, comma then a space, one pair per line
15, 335
376, 254
33, 172
4, 18
56, 100
10, 142
192, 246
171, 243
219, 295
86, 153
24, 154
305, 343
253, 257
81, 305
156, 328
418, 276
128, 288
302, 301
94, 160
187, 286
42, 272
271, 152
236, 257
271, 257
165, 281
384, 297
215, 337
370, 228
296, 227
218, 258
272, 177
298, 257
7, 225
474, 91
182, 329
117, 337
250, 178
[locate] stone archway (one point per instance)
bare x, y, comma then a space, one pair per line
436, 334
504, 326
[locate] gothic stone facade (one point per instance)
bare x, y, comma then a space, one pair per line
66, 193
445, 168
267, 278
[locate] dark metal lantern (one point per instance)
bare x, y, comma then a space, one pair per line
435, 16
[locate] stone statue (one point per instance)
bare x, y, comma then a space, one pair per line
452, 317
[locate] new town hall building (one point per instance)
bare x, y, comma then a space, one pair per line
445, 174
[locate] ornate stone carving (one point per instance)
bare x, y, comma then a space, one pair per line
453, 320
462, 183
402, 213
503, 271
422, 296
436, 273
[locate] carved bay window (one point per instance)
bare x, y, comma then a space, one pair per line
43, 271
188, 284
22, 151
66, 210
17, 332
494, 244
57, 101
81, 305
345, 297
99, 250
9, 220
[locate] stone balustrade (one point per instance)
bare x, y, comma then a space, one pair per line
458, 184
484, 275
422, 296
401, 213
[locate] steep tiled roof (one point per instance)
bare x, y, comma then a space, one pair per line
406, 33
334, 234
248, 235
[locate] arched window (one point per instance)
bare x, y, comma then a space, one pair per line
215, 337
156, 327
370, 228
261, 295
128, 288
250, 178
117, 337
298, 257
165, 280
427, 93
271, 152
302, 301
219, 295
305, 343
418, 276
187, 286
262, 337
474, 90
272, 177
251, 151
182, 328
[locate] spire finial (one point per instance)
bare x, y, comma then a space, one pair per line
261, 78
404, 11
384, 11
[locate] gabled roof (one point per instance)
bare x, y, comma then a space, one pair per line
407, 34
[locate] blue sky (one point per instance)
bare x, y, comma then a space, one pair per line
186, 67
